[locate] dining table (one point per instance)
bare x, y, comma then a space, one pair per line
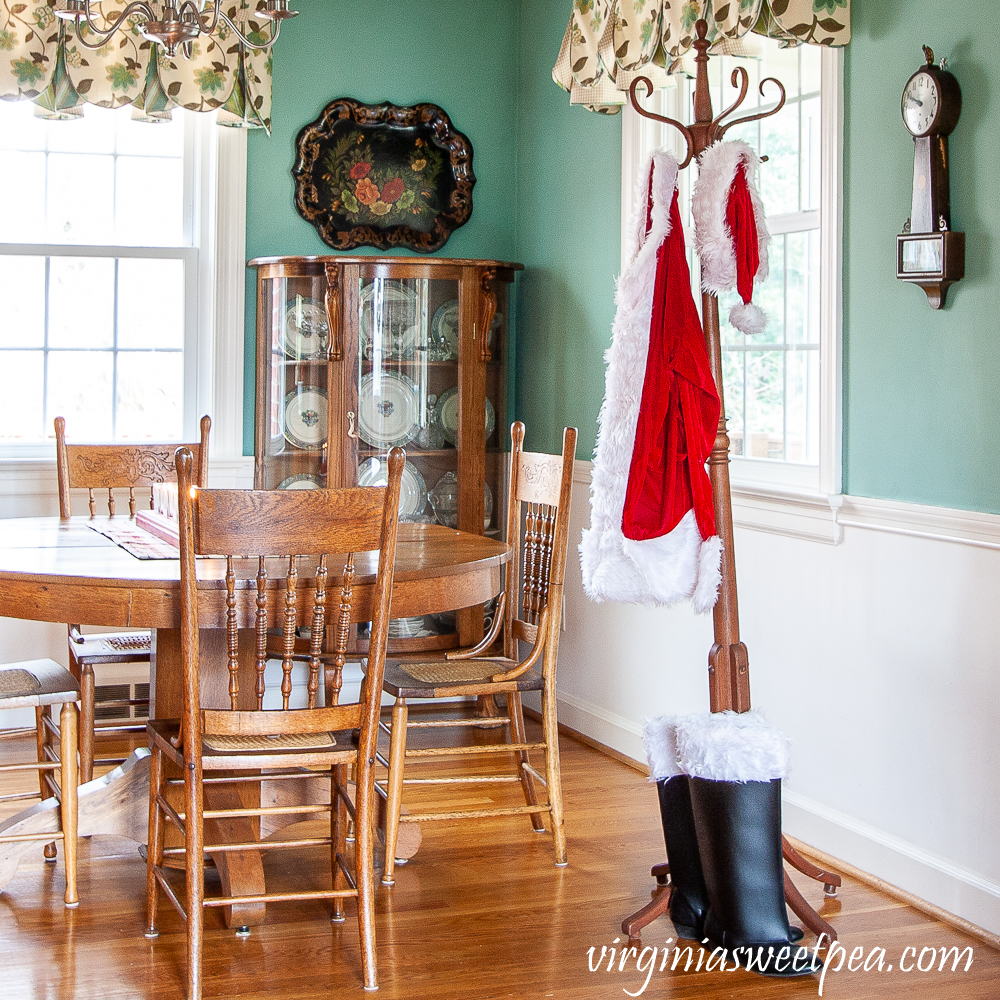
56, 570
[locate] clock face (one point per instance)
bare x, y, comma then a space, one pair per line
921, 102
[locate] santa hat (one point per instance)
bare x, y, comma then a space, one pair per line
730, 229
652, 532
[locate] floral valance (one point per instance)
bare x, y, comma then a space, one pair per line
42, 61
608, 43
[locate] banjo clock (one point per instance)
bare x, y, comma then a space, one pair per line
928, 253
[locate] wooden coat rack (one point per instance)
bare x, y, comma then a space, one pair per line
728, 662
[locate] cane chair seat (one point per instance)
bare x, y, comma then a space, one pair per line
529, 612
257, 735
110, 467
42, 685
436, 678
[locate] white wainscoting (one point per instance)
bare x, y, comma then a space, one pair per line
873, 636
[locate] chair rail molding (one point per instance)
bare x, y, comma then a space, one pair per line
822, 518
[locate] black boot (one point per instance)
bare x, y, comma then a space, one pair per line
739, 842
688, 898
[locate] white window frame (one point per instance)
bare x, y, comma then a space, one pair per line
214, 323
757, 480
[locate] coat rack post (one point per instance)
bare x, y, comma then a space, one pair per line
728, 661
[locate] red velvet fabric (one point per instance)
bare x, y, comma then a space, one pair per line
743, 225
679, 408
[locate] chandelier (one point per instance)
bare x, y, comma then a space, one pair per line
171, 23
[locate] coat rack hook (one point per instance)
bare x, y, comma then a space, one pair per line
753, 118
683, 129
740, 74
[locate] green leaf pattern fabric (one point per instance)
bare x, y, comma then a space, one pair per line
610, 42
41, 60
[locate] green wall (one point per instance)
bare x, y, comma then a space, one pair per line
454, 53
920, 386
568, 237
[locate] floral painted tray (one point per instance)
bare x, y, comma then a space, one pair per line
383, 176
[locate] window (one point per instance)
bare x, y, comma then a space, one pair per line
107, 263
781, 387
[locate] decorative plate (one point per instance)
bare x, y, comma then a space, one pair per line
447, 415
388, 409
412, 488
306, 329
305, 417
444, 501
444, 330
396, 306
302, 481
384, 176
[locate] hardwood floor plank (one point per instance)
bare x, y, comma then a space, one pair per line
480, 912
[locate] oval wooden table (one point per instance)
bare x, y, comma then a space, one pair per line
65, 571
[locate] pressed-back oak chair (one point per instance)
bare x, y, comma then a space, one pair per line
42, 685
267, 584
113, 467
530, 612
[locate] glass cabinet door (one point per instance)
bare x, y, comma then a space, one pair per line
293, 364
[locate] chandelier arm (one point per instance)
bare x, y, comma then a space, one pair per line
192, 9
275, 31
763, 114
138, 6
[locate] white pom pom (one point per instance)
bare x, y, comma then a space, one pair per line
748, 318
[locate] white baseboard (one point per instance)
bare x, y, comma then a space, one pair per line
958, 890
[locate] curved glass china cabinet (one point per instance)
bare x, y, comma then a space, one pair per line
358, 354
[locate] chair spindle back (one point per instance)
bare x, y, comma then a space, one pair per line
540, 489
270, 582
121, 466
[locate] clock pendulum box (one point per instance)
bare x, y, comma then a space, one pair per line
928, 253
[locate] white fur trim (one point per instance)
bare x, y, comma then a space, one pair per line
659, 738
714, 242
731, 746
706, 593
657, 571
748, 318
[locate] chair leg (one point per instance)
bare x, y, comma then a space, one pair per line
154, 842
68, 780
194, 843
516, 715
338, 834
87, 696
364, 873
553, 774
41, 741
394, 787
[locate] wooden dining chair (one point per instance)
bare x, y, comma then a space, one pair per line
113, 467
267, 584
43, 685
530, 612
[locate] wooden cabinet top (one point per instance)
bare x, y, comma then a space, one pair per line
374, 261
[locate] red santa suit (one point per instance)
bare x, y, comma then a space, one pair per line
652, 534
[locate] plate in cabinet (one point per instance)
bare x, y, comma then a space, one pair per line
412, 487
447, 415
445, 329
306, 329
388, 409
305, 417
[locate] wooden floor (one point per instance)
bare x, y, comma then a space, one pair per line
480, 912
